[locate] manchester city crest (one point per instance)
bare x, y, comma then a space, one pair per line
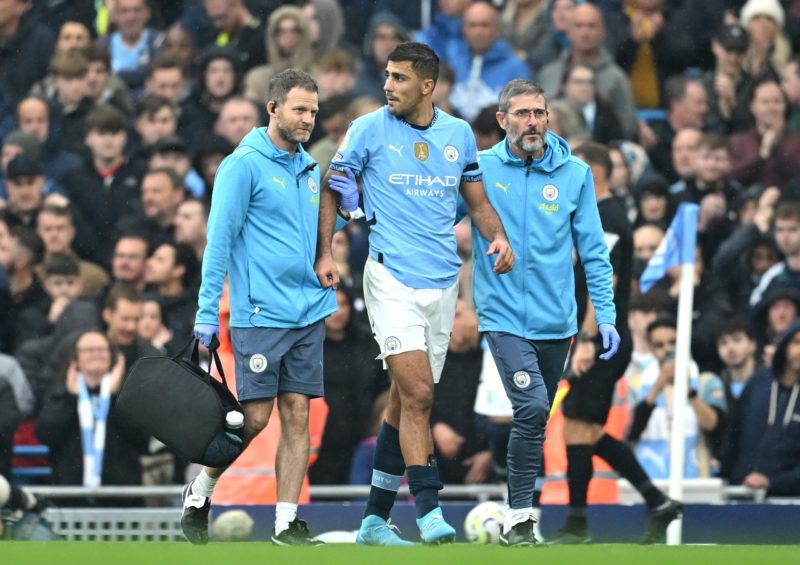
451, 154
550, 192
522, 379
391, 344
312, 185
258, 363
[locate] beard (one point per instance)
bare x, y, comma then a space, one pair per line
291, 135
518, 140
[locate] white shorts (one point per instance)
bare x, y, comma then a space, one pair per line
409, 319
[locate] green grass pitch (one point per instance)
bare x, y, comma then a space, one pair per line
154, 553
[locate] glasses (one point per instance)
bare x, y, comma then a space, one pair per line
93, 350
539, 114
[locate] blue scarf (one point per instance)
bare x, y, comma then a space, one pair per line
92, 415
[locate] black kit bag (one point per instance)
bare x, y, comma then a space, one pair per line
183, 406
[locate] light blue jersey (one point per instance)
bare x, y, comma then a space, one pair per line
411, 177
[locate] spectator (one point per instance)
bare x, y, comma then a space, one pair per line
170, 152
17, 143
445, 34
525, 26
26, 47
25, 188
172, 271
352, 383
236, 118
556, 39
766, 153
106, 187
769, 48
776, 311
130, 260
235, 27
23, 250
646, 239
179, 46
72, 35
705, 414
208, 156
463, 452
487, 63
90, 446
162, 193
486, 128
643, 310
790, 83
567, 122
151, 326
653, 203
121, 314
684, 155
102, 86
578, 88
736, 346
586, 32
190, 225
288, 43
166, 78
70, 103
156, 118
335, 73
442, 90
728, 85
219, 80
325, 25
764, 439
133, 45
655, 45
748, 253
56, 227
787, 236
385, 32
34, 116
687, 108
333, 121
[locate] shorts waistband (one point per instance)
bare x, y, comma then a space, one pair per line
376, 255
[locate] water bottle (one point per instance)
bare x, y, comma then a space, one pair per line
234, 426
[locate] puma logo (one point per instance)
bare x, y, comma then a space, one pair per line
504, 187
398, 150
281, 182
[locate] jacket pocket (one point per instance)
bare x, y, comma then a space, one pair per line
276, 286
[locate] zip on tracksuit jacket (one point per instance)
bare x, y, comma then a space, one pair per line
546, 206
262, 231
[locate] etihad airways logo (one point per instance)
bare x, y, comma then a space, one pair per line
423, 180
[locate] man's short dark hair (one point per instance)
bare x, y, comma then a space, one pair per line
663, 321
734, 326
164, 63
486, 122
336, 104
70, 64
61, 264
58, 211
121, 291
105, 119
151, 104
788, 210
134, 235
284, 81
185, 257
515, 88
595, 154
713, 141
204, 209
97, 53
446, 73
675, 87
649, 302
28, 240
423, 59
174, 180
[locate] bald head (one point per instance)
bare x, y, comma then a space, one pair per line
481, 27
646, 240
586, 28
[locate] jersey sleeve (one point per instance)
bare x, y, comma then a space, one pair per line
353, 152
472, 170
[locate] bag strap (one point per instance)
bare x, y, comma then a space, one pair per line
195, 355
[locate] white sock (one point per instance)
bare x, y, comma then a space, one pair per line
285, 512
203, 484
516, 516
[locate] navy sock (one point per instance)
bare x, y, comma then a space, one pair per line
388, 467
424, 484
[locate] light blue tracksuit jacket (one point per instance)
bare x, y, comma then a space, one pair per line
262, 231
546, 206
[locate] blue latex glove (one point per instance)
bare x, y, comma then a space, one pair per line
348, 188
610, 340
205, 332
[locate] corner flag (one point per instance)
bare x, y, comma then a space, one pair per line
677, 247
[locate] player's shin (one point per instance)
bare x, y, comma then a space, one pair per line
387, 472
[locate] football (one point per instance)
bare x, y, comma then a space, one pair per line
484, 523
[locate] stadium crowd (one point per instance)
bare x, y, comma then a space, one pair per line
115, 115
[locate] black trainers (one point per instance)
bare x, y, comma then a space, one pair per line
658, 519
520, 535
296, 534
194, 520
570, 537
